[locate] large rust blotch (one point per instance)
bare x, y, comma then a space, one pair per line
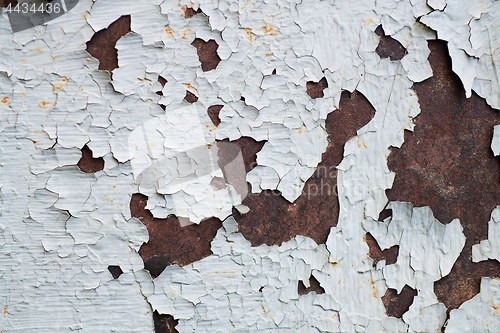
88, 163
102, 45
273, 220
207, 53
397, 304
168, 240
447, 164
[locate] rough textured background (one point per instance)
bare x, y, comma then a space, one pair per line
446, 164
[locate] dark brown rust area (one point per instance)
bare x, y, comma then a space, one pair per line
167, 239
115, 271
389, 47
397, 304
207, 53
313, 286
315, 89
272, 220
249, 149
190, 97
89, 164
102, 45
164, 323
5, 3
189, 12
390, 255
447, 164
213, 113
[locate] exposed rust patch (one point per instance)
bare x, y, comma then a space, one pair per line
102, 45
207, 53
397, 304
273, 220
115, 271
315, 89
189, 12
89, 164
190, 97
313, 286
390, 255
213, 113
182, 245
388, 47
164, 323
447, 164
249, 149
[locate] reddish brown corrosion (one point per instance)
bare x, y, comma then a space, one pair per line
102, 44
213, 113
272, 220
190, 12
313, 286
190, 97
179, 245
447, 164
315, 89
397, 304
164, 323
89, 164
207, 53
5, 3
249, 149
390, 255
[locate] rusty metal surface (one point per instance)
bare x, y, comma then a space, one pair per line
447, 164
272, 220
102, 45
176, 244
88, 163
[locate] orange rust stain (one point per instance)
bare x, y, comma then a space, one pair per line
38, 50
85, 16
4, 311
183, 10
88, 59
364, 239
5, 100
185, 33
334, 264
368, 21
169, 32
301, 130
268, 29
43, 104
495, 307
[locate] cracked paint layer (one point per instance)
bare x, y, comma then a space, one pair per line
470, 27
80, 137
